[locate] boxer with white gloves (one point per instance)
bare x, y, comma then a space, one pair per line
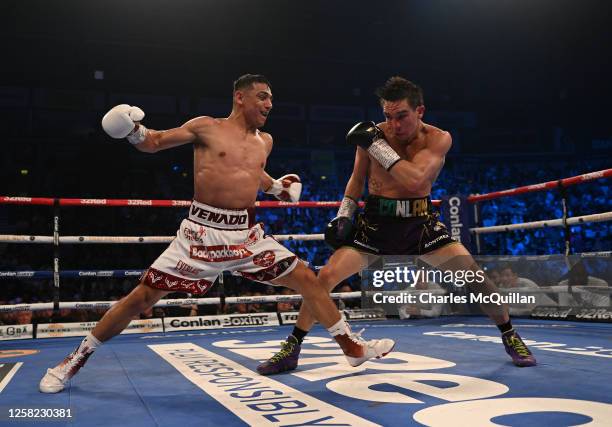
123, 121
220, 233
287, 188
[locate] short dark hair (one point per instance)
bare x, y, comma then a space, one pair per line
247, 80
398, 88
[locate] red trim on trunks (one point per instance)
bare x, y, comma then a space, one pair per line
167, 282
270, 273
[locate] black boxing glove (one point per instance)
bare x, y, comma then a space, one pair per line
341, 229
364, 134
372, 139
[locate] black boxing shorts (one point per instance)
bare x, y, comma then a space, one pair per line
399, 227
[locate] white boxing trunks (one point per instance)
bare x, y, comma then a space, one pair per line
213, 240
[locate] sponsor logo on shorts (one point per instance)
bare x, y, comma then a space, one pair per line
253, 237
217, 217
272, 272
403, 208
219, 253
186, 269
194, 235
436, 240
363, 245
264, 259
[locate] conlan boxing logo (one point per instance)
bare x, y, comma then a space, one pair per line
219, 253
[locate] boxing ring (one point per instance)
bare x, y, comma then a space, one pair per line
450, 370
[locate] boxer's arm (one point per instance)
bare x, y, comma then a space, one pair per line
356, 183
287, 188
265, 181
423, 169
157, 140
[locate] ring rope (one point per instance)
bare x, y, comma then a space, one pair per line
93, 305
76, 274
600, 217
550, 185
14, 238
90, 305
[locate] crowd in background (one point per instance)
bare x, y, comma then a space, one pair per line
458, 177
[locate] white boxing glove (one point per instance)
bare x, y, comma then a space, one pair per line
121, 122
287, 188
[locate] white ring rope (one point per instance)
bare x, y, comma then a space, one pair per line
93, 305
600, 217
15, 238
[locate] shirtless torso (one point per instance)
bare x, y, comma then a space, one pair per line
418, 151
229, 154
227, 163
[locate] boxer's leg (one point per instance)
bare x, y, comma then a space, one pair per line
343, 263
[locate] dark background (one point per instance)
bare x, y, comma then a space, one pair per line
523, 86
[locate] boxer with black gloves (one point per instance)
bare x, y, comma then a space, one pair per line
372, 139
340, 230
401, 159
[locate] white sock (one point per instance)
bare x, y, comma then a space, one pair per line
90, 342
339, 328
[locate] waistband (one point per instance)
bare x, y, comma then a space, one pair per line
399, 208
225, 219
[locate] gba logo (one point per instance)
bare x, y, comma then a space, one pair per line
14, 331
